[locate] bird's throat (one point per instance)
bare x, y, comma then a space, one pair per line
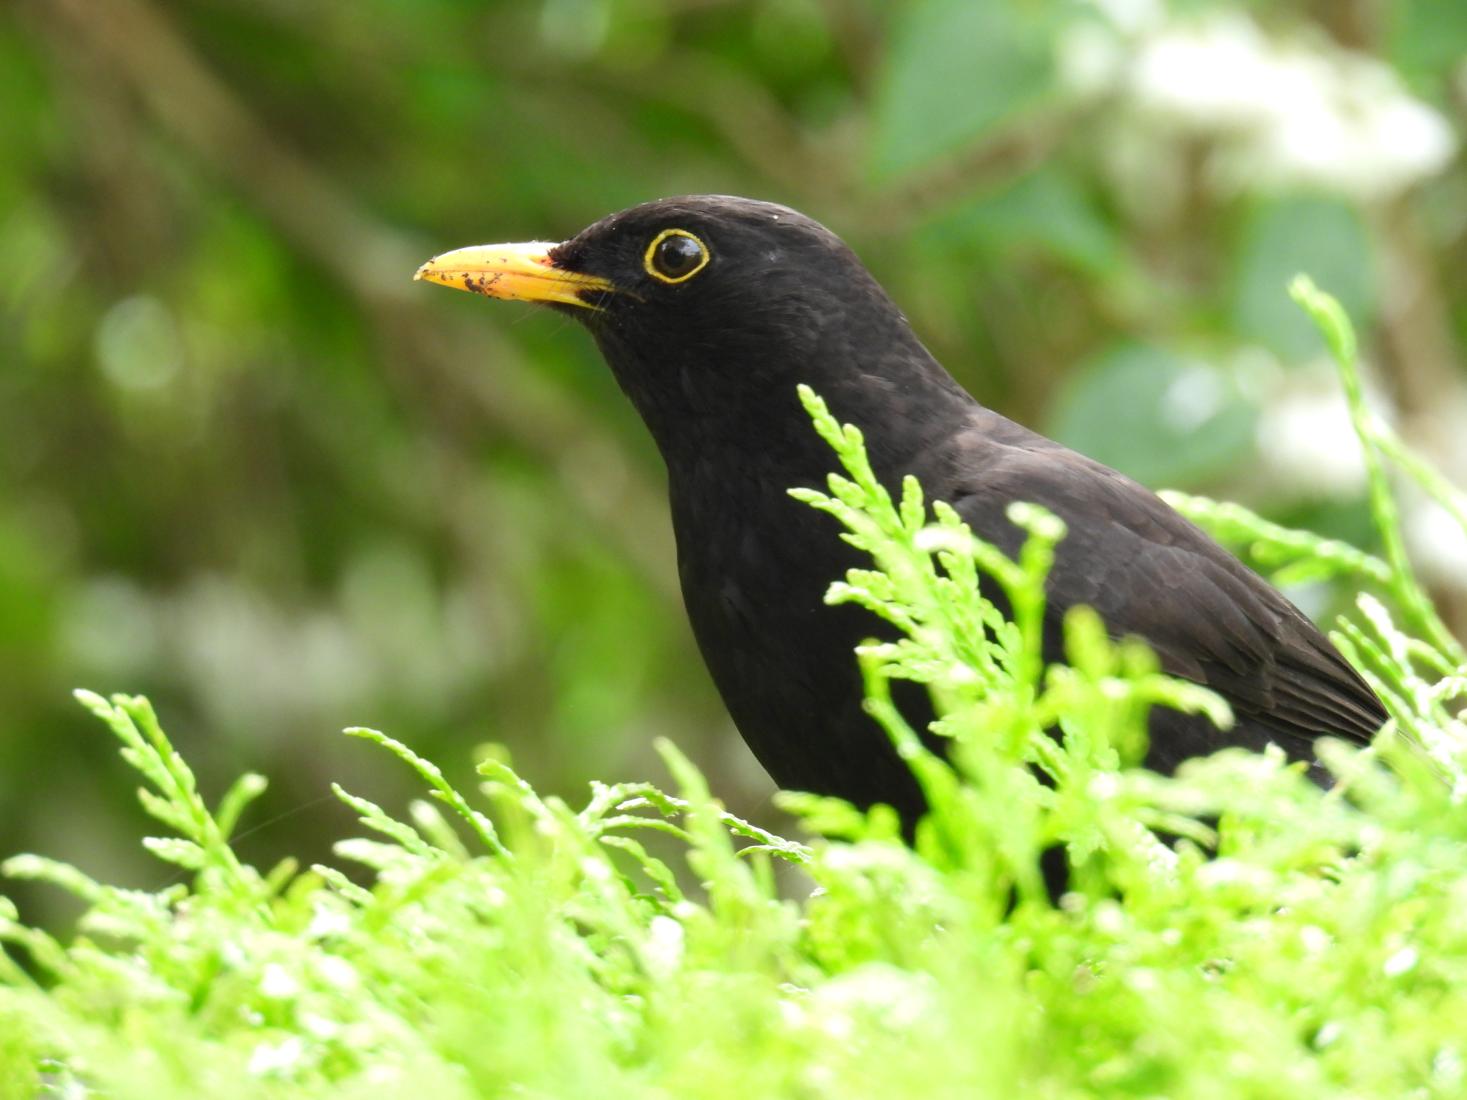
736, 408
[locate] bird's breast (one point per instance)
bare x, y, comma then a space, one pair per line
755, 565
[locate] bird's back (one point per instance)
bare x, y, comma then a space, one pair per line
755, 566
1151, 573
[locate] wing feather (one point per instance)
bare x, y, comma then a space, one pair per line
1151, 573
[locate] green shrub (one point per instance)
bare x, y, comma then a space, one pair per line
644, 944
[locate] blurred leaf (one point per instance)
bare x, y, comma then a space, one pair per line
1046, 209
1321, 235
28, 575
791, 35
1426, 39
955, 70
1158, 418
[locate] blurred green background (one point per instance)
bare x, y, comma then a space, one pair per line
251, 469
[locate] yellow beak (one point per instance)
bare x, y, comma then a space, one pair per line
518, 272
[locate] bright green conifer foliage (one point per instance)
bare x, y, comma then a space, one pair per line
492, 942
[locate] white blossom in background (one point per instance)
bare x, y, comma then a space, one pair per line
1193, 398
1277, 111
257, 664
1306, 442
1436, 542
1133, 16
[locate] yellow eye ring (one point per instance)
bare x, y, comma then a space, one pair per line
675, 275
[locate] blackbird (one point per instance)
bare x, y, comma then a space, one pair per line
709, 310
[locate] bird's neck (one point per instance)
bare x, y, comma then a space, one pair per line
731, 410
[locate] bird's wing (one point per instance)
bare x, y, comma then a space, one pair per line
1151, 573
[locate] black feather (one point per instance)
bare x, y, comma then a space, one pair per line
712, 365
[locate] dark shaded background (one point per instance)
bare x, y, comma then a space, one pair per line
249, 468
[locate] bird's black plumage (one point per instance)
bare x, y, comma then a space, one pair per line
709, 310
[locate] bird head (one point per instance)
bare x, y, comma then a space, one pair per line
708, 308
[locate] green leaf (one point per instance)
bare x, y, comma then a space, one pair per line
1160, 419
1046, 210
1324, 236
955, 71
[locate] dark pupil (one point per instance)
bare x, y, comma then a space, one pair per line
678, 255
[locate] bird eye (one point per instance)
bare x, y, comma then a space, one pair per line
675, 255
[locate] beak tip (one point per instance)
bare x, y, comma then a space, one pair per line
516, 272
